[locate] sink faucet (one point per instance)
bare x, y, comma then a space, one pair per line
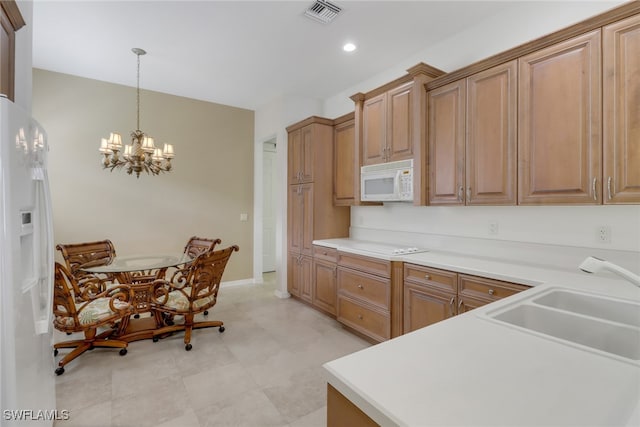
593, 265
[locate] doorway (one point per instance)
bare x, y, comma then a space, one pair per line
269, 169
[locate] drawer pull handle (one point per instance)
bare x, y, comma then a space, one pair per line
491, 292
360, 286
360, 316
451, 304
427, 277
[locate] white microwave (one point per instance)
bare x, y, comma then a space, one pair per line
387, 182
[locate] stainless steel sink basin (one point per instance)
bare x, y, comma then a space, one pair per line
606, 325
618, 311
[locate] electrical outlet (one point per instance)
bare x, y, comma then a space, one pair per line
493, 227
244, 217
603, 234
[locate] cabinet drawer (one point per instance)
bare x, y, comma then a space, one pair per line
328, 254
441, 279
366, 287
376, 266
479, 287
366, 320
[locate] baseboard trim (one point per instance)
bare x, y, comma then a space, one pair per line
241, 282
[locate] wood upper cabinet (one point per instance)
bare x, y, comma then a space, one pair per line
11, 20
559, 123
387, 132
345, 171
621, 111
491, 136
446, 126
374, 130
301, 155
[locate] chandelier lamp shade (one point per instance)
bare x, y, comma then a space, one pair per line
141, 155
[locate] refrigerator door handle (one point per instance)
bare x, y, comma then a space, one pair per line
42, 294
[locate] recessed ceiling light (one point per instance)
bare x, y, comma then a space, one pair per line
349, 47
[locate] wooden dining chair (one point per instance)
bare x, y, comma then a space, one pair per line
192, 291
85, 310
90, 254
197, 245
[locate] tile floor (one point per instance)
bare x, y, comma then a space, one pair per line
264, 370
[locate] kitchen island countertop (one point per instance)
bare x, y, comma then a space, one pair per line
469, 370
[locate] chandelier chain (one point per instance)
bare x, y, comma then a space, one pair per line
138, 94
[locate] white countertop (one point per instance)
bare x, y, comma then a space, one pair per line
468, 370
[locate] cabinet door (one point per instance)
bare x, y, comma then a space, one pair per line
559, 123
399, 134
621, 100
467, 304
491, 136
300, 159
374, 130
300, 221
344, 164
324, 285
306, 278
424, 306
446, 144
293, 274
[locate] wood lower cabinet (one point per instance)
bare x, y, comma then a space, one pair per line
325, 279
299, 276
560, 123
342, 412
370, 295
432, 295
621, 111
300, 218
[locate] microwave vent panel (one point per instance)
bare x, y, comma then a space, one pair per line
323, 11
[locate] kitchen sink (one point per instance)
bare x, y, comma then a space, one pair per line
618, 311
606, 325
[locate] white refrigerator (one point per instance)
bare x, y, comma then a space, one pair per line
27, 380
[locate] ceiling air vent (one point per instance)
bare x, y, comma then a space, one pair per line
323, 11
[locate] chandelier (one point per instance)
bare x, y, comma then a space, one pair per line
142, 154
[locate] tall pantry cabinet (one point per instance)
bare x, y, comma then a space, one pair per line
311, 212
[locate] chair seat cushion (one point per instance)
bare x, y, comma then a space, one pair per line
179, 302
94, 311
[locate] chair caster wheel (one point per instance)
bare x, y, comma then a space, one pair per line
68, 333
221, 329
123, 351
188, 347
206, 312
59, 371
55, 352
136, 316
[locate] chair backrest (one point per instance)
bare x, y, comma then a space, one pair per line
90, 254
205, 273
197, 245
64, 308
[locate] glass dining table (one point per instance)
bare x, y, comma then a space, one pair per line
140, 271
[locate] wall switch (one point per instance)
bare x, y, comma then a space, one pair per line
244, 217
603, 234
493, 227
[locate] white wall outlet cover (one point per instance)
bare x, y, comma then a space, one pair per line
244, 217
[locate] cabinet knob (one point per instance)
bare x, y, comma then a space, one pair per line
360, 286
427, 277
491, 292
360, 316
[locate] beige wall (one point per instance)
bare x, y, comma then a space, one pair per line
210, 186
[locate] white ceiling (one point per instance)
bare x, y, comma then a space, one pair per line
241, 53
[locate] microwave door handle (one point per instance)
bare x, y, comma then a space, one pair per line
396, 185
